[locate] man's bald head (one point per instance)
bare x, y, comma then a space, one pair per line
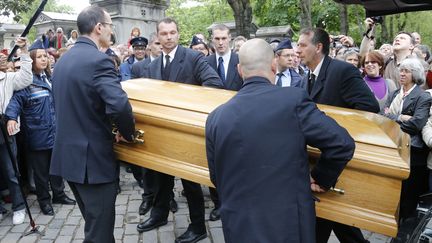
256, 59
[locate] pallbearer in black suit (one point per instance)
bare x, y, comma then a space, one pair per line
224, 61
337, 83
256, 151
148, 181
88, 98
179, 64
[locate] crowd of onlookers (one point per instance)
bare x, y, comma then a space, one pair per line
397, 73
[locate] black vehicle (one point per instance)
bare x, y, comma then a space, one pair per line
385, 7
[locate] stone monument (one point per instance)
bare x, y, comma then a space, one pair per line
127, 14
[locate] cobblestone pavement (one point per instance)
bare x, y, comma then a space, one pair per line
67, 225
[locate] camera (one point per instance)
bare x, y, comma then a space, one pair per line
377, 19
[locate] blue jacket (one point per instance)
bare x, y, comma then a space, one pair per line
126, 67
35, 106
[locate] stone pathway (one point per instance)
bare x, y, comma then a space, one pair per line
67, 224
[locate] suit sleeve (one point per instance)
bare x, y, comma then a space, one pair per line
210, 148
206, 74
334, 142
356, 93
421, 114
117, 104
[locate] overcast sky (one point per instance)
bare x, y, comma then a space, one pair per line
77, 5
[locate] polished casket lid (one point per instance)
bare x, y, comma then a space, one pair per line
173, 117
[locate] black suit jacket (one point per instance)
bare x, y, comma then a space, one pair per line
139, 68
188, 66
340, 84
233, 80
88, 97
256, 150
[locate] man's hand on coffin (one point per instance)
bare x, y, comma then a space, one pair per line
315, 187
119, 138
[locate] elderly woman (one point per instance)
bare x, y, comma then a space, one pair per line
352, 56
409, 106
35, 106
373, 68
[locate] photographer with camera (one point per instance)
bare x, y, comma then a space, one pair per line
339, 44
10, 82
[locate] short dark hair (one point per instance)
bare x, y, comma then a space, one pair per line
167, 20
220, 27
319, 36
412, 39
89, 18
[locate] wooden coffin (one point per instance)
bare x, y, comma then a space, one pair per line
173, 116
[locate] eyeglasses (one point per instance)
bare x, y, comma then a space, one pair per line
370, 62
110, 24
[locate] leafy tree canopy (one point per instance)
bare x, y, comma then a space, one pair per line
195, 16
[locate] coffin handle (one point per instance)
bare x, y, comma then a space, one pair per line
139, 136
337, 190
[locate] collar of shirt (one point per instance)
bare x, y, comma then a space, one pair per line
171, 54
226, 57
405, 94
318, 68
286, 78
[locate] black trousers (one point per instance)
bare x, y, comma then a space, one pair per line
214, 197
344, 233
40, 161
194, 198
97, 205
416, 184
149, 184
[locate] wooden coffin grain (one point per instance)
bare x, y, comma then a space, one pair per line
173, 116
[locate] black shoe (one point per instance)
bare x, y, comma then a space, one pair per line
150, 223
173, 206
64, 200
47, 209
214, 214
190, 237
145, 206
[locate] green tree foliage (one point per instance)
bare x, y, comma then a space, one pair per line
197, 16
51, 6
15, 7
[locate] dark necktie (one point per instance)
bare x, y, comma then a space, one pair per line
311, 82
166, 69
279, 80
45, 79
221, 69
